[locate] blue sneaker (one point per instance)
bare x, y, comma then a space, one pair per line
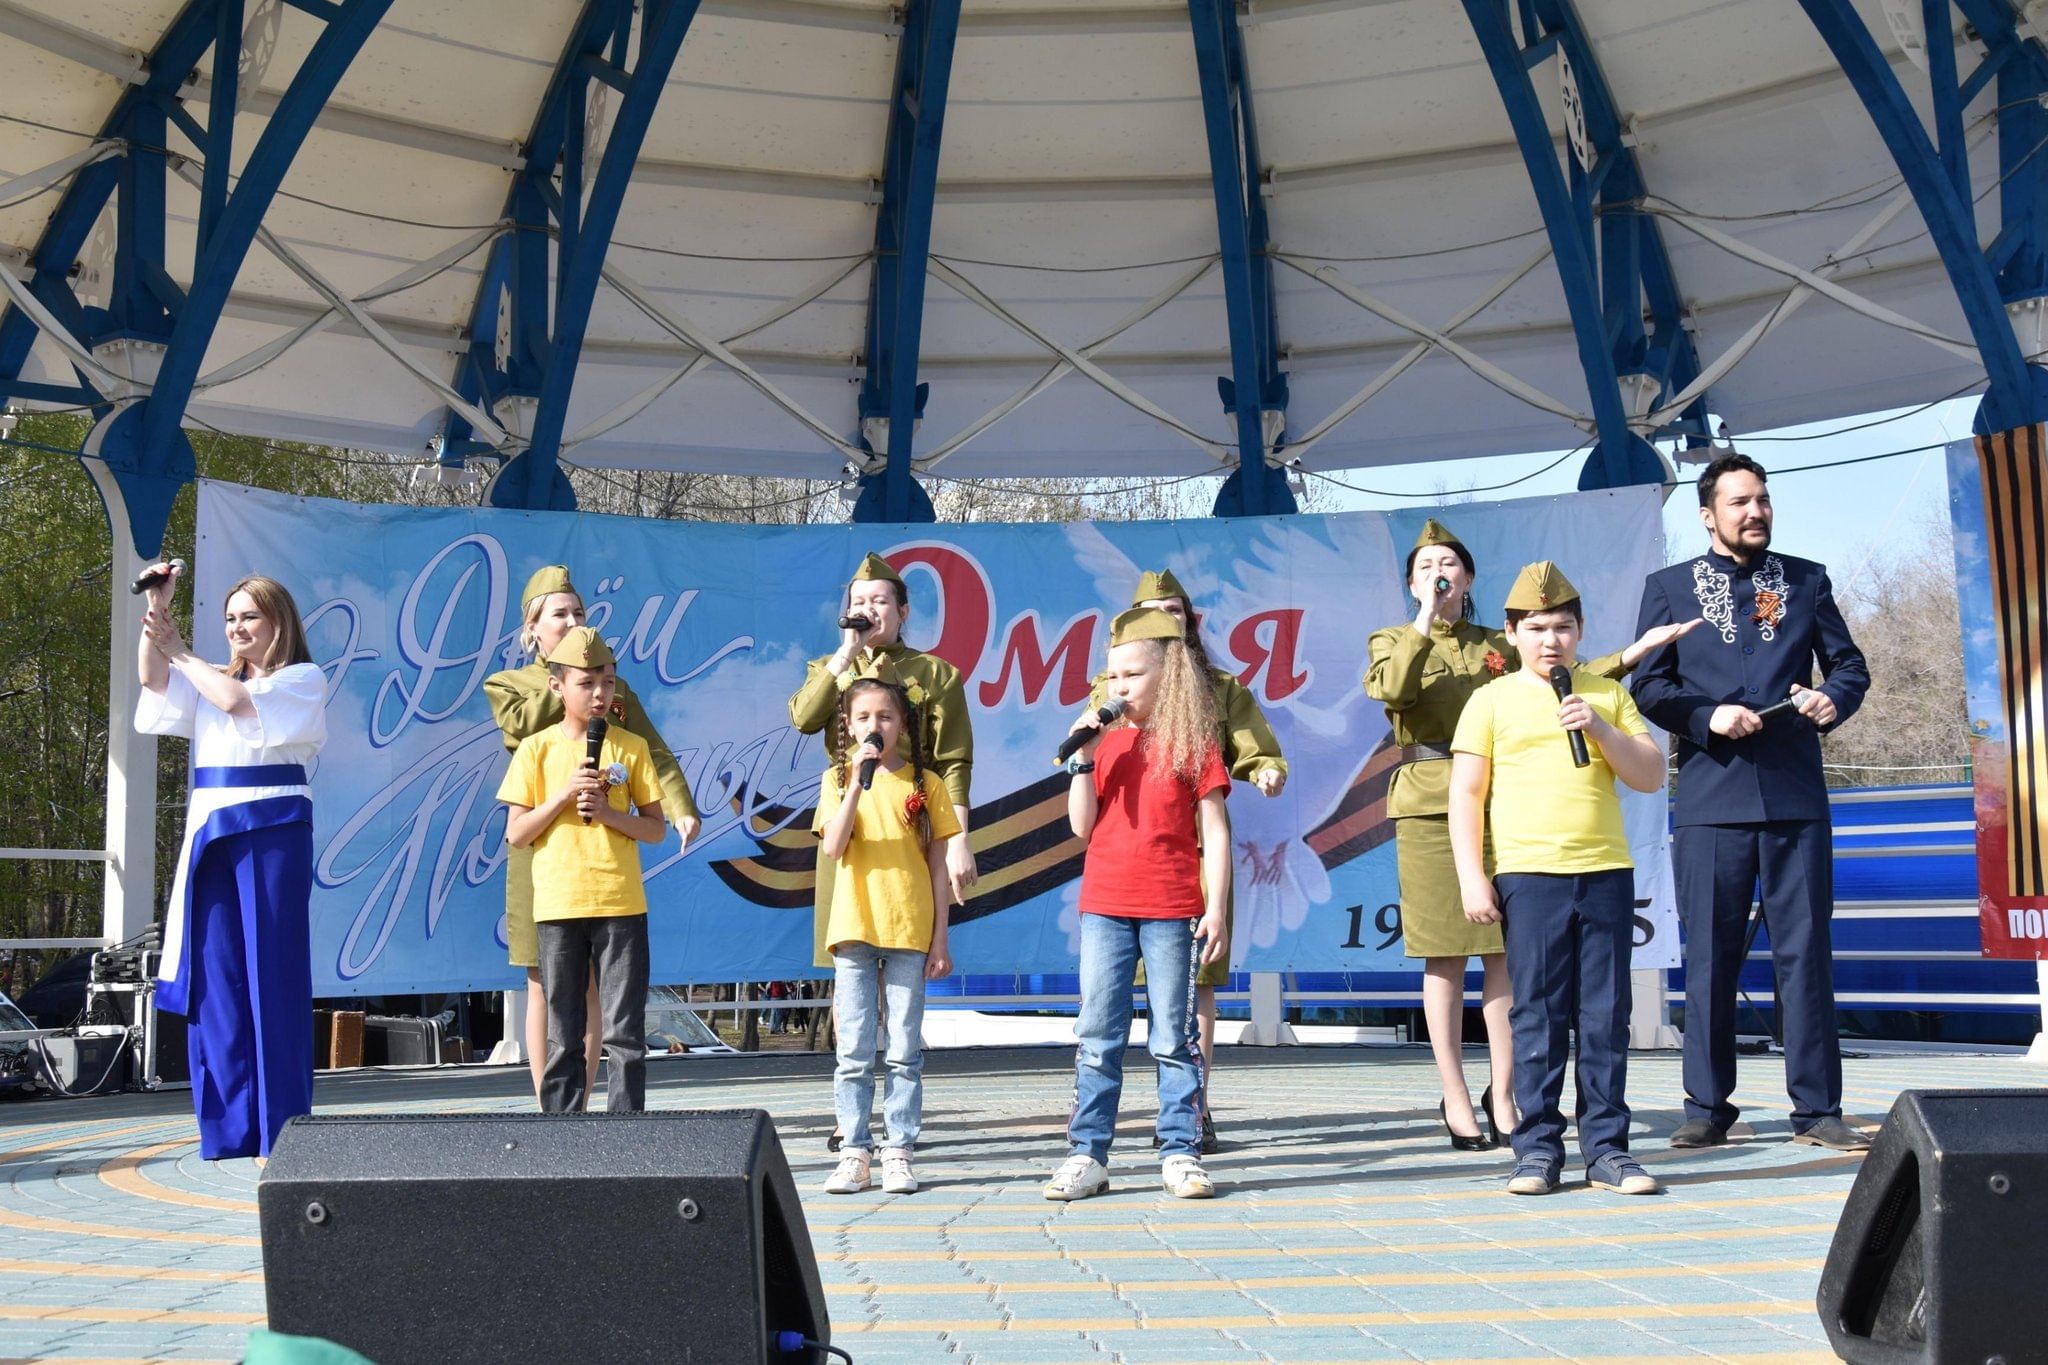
1619, 1172
1534, 1175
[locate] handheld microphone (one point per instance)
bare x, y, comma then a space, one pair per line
1561, 683
593, 745
1779, 708
1105, 713
150, 577
859, 623
1443, 585
867, 765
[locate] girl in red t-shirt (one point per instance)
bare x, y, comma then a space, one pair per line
1147, 799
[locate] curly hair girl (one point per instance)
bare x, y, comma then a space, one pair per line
1181, 728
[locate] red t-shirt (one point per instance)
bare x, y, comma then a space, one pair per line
1142, 862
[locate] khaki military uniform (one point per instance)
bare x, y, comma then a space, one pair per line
1424, 683
522, 705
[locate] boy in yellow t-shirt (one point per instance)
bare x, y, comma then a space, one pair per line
884, 841
1546, 743
588, 902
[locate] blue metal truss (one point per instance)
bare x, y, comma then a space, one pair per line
560, 236
1939, 181
1607, 285
2019, 253
143, 443
903, 240
1256, 384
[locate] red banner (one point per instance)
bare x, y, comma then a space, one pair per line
2009, 740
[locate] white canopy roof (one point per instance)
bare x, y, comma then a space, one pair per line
1074, 189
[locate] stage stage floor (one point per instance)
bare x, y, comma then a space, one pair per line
1346, 1229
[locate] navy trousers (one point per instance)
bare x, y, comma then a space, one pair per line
1719, 869
251, 998
1569, 937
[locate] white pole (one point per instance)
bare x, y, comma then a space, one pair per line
1649, 1020
1268, 1026
129, 901
511, 1049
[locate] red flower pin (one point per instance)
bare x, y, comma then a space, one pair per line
1495, 664
912, 805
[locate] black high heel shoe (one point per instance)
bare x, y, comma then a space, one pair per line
1492, 1123
1477, 1142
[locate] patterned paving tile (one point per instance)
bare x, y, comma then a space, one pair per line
1345, 1231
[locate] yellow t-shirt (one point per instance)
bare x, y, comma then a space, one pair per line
1548, 816
582, 871
882, 885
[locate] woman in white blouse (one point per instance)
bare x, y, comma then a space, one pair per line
237, 958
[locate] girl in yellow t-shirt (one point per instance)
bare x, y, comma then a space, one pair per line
885, 823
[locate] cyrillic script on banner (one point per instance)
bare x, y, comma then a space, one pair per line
408, 610
1999, 509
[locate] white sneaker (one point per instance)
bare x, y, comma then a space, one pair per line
898, 1177
1080, 1177
1184, 1178
851, 1175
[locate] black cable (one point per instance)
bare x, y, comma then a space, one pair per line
1859, 459
50, 1068
1876, 422
1490, 488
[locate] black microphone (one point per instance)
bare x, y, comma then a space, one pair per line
152, 576
1777, 708
593, 745
1105, 713
859, 623
867, 765
1443, 585
1561, 683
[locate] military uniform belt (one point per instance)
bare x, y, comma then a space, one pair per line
1422, 753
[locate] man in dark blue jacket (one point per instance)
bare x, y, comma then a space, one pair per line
1752, 803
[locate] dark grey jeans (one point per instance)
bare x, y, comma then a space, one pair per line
616, 946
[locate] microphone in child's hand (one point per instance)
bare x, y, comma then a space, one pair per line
593, 745
152, 576
1105, 713
859, 623
873, 743
1561, 683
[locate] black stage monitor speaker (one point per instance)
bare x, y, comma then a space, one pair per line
454, 1237
1942, 1249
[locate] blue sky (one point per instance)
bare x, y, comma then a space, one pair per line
1839, 516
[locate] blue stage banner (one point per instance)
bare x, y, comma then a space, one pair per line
409, 610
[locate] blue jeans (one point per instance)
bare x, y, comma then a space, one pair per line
870, 981
1110, 949
1569, 938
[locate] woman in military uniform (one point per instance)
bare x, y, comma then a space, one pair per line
879, 599
1252, 754
1423, 672
522, 705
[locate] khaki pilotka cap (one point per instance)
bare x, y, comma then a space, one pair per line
1541, 586
1143, 623
547, 580
874, 567
582, 647
1435, 532
1159, 584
